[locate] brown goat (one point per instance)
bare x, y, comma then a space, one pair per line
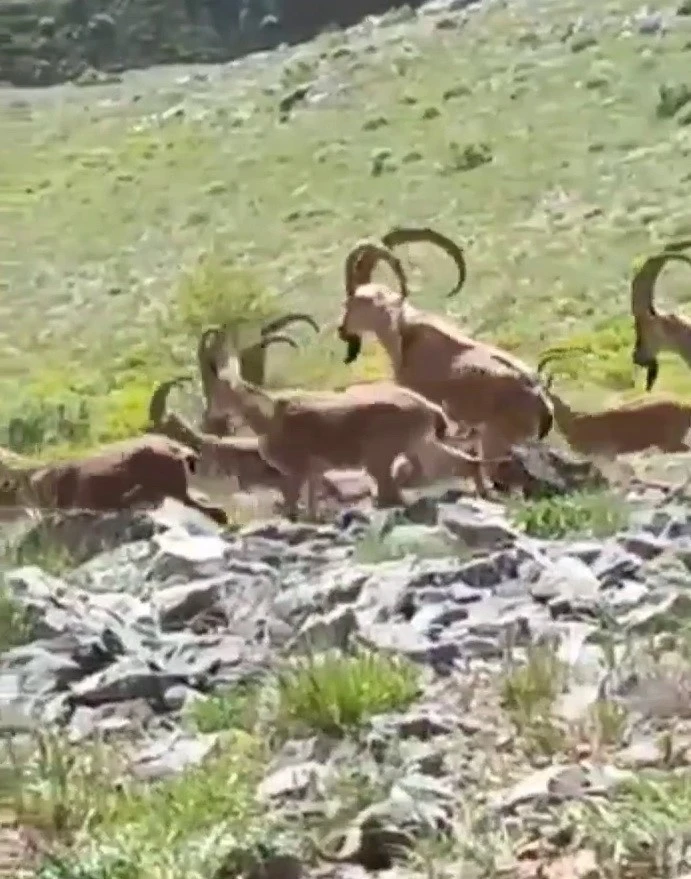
368, 426
621, 430
656, 332
235, 457
135, 472
479, 385
252, 361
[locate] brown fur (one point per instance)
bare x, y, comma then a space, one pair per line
236, 457
140, 471
655, 331
477, 384
621, 430
368, 426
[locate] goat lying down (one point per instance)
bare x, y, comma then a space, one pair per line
620, 430
479, 385
124, 475
367, 426
234, 457
252, 360
656, 331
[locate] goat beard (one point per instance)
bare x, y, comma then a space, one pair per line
353, 348
652, 370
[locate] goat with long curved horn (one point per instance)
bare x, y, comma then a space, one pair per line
413, 234
655, 331
478, 385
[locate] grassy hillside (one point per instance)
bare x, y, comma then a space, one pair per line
542, 139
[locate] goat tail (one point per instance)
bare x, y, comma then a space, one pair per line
191, 460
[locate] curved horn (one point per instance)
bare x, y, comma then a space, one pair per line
204, 340
275, 326
402, 235
278, 337
646, 275
159, 398
204, 357
361, 261
556, 354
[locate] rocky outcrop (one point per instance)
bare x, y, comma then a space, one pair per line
165, 610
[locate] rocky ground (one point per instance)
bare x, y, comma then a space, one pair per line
455, 689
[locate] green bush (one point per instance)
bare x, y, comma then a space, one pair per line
215, 291
333, 693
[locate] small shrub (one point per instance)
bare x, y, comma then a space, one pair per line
583, 41
403, 540
671, 98
527, 694
529, 690
606, 723
38, 546
466, 158
215, 291
594, 514
235, 708
642, 828
15, 628
333, 693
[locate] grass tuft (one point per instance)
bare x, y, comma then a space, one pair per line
592, 514
334, 693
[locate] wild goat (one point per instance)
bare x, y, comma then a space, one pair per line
252, 360
369, 426
621, 430
656, 332
139, 471
478, 385
235, 457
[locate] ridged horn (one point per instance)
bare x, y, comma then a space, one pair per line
361, 261
557, 353
647, 273
278, 337
159, 398
409, 235
275, 326
204, 358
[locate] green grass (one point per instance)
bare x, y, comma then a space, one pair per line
98, 822
590, 514
325, 692
554, 163
335, 693
644, 829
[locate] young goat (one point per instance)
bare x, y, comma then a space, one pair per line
234, 457
656, 332
621, 430
135, 472
367, 426
479, 385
